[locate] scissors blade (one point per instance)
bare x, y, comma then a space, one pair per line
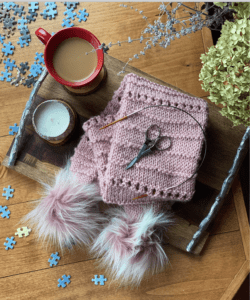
141, 153
132, 163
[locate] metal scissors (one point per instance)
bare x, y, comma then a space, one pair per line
149, 145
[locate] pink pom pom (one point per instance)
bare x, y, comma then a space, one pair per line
68, 214
131, 247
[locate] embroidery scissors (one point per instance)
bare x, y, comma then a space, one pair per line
149, 145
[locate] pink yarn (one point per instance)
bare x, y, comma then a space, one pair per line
102, 155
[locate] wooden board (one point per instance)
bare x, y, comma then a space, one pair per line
25, 272
41, 161
221, 139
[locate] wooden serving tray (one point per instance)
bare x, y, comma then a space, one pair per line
41, 161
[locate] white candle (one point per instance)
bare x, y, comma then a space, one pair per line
51, 118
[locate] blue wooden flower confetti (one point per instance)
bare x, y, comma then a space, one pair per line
22, 21
2, 38
51, 4
24, 66
10, 243
53, 261
52, 12
8, 5
70, 14
25, 34
45, 14
6, 75
4, 211
100, 280
67, 23
13, 129
19, 10
9, 65
36, 69
82, 15
8, 49
22, 42
39, 58
62, 282
31, 16
30, 81
8, 191
33, 6
9, 22
71, 4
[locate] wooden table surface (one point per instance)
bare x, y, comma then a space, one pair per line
25, 273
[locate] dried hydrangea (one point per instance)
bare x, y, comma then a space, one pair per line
226, 69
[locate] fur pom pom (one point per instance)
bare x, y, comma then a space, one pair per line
131, 247
68, 214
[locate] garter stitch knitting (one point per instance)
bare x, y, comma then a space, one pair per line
102, 155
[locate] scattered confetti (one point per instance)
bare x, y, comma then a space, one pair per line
65, 280
9, 65
8, 49
51, 4
14, 129
39, 58
100, 280
53, 260
2, 38
3, 14
31, 16
22, 21
8, 5
6, 75
82, 15
67, 23
8, 191
52, 13
22, 42
19, 10
33, 6
36, 69
45, 14
9, 22
70, 14
25, 34
10, 243
71, 4
5, 213
24, 231
24, 66
30, 81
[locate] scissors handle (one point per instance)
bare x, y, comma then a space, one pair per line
161, 138
152, 142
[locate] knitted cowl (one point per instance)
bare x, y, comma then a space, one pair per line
130, 245
129, 237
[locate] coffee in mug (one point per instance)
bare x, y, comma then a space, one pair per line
71, 62
66, 60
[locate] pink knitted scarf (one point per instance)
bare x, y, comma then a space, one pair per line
102, 155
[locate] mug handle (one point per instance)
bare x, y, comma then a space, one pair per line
43, 35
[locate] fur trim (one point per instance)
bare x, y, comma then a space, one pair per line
68, 214
131, 248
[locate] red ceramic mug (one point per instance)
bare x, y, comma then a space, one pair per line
52, 42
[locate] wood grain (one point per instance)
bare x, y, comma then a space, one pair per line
242, 215
237, 281
25, 273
